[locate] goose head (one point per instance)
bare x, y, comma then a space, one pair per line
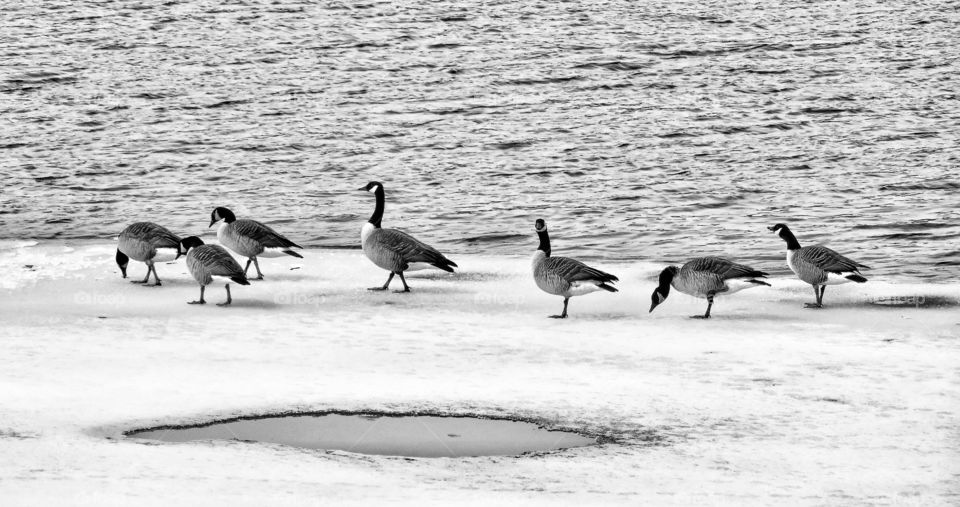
540, 225
787, 235
663, 289
221, 213
373, 187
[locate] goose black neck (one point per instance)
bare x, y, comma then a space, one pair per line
377, 215
666, 277
544, 242
787, 235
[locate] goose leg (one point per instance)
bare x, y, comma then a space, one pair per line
390, 279
145, 279
817, 294
201, 301
709, 306
257, 265
245, 268
229, 299
823, 288
153, 267
564, 314
404, 280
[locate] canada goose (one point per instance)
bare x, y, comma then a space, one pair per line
562, 276
207, 262
818, 265
396, 251
146, 242
705, 277
251, 239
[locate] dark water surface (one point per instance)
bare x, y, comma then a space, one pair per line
417, 436
638, 130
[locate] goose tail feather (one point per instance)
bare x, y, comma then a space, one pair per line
606, 287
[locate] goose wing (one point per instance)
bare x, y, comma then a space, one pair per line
217, 261
828, 260
153, 234
263, 234
725, 268
411, 249
573, 270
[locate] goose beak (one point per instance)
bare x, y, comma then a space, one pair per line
211, 223
771, 228
362, 189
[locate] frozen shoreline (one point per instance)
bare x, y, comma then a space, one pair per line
765, 402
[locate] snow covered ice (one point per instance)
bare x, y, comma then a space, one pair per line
766, 402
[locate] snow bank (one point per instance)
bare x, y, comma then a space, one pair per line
766, 402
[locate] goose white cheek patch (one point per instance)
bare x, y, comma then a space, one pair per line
374, 188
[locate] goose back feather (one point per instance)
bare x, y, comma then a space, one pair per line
395, 251
208, 261
703, 276
140, 241
250, 238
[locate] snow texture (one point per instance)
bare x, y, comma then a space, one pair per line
765, 403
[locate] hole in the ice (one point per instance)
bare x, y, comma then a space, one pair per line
414, 435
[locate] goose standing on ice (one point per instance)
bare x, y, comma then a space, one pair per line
818, 265
396, 251
207, 262
562, 276
149, 243
705, 277
251, 239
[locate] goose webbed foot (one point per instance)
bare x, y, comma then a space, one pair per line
229, 299
563, 314
402, 291
813, 305
199, 301
699, 316
386, 285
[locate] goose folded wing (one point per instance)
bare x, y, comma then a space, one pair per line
263, 234
828, 260
411, 249
217, 261
725, 268
154, 234
575, 271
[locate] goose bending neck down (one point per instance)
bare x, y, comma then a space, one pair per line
149, 243
706, 277
209, 262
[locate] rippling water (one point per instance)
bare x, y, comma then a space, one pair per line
638, 130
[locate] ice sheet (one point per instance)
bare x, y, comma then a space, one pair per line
766, 402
